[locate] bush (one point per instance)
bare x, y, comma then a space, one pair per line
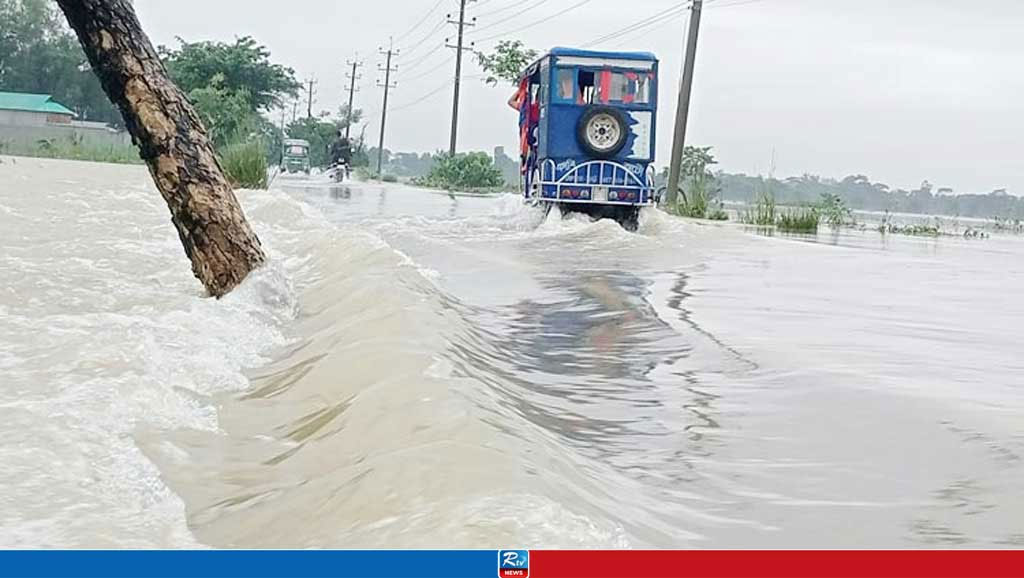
835, 212
802, 220
245, 165
464, 171
389, 179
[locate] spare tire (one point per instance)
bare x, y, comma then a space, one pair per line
602, 131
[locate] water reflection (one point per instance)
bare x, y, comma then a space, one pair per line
340, 192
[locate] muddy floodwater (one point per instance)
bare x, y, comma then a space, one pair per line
418, 369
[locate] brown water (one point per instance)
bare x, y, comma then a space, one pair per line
418, 369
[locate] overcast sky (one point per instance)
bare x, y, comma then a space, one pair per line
900, 90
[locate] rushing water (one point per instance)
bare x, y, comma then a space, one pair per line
423, 370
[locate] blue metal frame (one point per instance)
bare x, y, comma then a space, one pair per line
563, 171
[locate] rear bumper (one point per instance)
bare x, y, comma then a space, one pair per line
649, 203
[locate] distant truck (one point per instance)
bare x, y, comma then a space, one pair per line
295, 156
587, 132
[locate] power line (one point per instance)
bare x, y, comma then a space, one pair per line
498, 11
483, 3
423, 20
425, 38
629, 36
424, 58
541, 21
640, 25
423, 98
528, 8
734, 3
426, 73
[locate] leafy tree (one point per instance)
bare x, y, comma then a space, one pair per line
38, 54
227, 114
506, 62
242, 66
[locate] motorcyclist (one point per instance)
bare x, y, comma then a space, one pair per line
341, 151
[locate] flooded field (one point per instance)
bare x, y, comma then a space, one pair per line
418, 369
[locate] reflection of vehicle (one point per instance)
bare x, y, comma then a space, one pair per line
587, 128
295, 158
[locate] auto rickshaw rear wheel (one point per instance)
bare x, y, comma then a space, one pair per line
602, 131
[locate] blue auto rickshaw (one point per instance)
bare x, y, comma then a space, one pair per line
587, 131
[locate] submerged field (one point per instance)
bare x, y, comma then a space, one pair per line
431, 370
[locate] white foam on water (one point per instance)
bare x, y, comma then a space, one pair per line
104, 331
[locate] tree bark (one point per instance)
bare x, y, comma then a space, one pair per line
171, 139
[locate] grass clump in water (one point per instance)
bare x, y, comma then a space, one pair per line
800, 220
699, 198
245, 164
835, 212
764, 213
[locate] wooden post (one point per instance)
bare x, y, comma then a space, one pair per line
171, 140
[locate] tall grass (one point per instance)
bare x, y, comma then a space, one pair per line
700, 200
245, 164
75, 150
764, 213
799, 220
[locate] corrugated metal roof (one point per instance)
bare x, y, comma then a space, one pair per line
32, 103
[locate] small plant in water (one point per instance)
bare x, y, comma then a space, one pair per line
835, 212
800, 220
700, 186
764, 213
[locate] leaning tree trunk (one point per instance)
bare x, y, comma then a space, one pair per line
171, 139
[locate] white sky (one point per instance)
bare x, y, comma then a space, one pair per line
900, 90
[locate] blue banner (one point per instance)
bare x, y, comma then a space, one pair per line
250, 564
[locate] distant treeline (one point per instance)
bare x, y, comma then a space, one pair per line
860, 193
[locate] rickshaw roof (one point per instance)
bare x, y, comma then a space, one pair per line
562, 52
579, 53
297, 142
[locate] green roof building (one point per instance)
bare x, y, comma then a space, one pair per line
21, 109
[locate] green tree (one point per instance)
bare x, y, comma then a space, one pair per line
227, 115
506, 62
242, 66
39, 54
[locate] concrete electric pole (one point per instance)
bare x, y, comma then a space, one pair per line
387, 86
311, 83
683, 112
353, 77
459, 49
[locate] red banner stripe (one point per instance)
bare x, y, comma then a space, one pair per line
776, 564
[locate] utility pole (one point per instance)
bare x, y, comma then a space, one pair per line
459, 48
309, 111
387, 86
353, 77
683, 112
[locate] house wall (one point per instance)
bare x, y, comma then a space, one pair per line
20, 136
22, 118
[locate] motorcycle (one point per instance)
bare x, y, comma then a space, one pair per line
339, 172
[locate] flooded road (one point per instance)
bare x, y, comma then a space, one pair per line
429, 370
